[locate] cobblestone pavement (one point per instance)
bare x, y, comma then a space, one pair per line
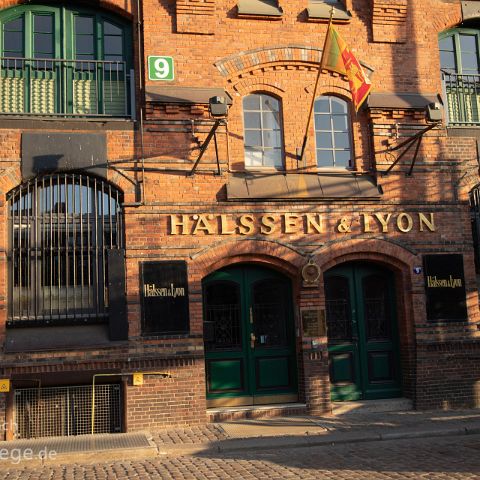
441, 458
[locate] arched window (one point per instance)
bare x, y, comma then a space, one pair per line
459, 61
63, 60
61, 228
332, 132
263, 131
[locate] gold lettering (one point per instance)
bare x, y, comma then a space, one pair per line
268, 224
366, 223
434, 282
224, 230
430, 224
175, 223
384, 221
314, 224
202, 224
401, 224
246, 224
290, 222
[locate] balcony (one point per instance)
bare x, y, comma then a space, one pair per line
462, 94
65, 88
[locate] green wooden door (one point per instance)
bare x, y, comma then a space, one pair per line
362, 333
249, 337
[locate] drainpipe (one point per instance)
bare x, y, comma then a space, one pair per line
141, 87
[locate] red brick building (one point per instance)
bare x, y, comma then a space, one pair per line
167, 260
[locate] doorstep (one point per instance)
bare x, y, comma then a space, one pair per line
223, 414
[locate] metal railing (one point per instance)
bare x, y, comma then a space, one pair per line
60, 87
462, 95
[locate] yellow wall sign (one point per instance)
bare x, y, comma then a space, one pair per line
137, 379
4, 385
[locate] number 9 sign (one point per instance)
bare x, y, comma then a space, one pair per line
160, 68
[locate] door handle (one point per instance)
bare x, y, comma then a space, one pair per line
251, 315
252, 340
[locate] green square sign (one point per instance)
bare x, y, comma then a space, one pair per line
160, 68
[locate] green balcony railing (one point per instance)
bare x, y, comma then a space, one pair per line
59, 87
462, 94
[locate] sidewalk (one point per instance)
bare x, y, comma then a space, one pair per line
241, 435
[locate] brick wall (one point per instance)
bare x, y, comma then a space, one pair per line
213, 48
163, 402
448, 375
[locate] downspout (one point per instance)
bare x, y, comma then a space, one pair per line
141, 87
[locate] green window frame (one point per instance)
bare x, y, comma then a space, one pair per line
61, 60
460, 68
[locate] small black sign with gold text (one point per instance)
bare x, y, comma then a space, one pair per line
445, 287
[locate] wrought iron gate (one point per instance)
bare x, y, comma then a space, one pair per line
65, 411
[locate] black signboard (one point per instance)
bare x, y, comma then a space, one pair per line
445, 287
164, 294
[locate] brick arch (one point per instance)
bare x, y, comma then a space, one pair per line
374, 249
338, 88
10, 178
263, 252
452, 17
246, 86
233, 65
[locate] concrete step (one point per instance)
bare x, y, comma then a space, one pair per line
224, 414
372, 406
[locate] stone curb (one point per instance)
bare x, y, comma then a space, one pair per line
239, 445
267, 443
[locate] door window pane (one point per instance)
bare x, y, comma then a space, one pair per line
338, 309
84, 38
222, 327
13, 38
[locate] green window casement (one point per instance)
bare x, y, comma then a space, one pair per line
64, 61
460, 66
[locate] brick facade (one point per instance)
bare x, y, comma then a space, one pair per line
150, 163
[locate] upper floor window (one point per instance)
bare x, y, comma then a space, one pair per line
63, 61
332, 132
263, 131
459, 61
61, 228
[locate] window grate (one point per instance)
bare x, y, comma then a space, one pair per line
61, 227
475, 222
67, 411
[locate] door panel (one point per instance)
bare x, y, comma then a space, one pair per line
249, 337
362, 333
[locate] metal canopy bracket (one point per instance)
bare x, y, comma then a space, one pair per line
408, 144
206, 143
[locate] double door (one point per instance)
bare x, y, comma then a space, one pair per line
249, 337
362, 333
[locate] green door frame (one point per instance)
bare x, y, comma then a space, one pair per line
253, 372
365, 368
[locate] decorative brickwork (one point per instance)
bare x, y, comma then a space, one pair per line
389, 21
195, 16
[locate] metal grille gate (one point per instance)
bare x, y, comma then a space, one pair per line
61, 228
65, 411
475, 219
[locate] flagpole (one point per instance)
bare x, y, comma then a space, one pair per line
305, 137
